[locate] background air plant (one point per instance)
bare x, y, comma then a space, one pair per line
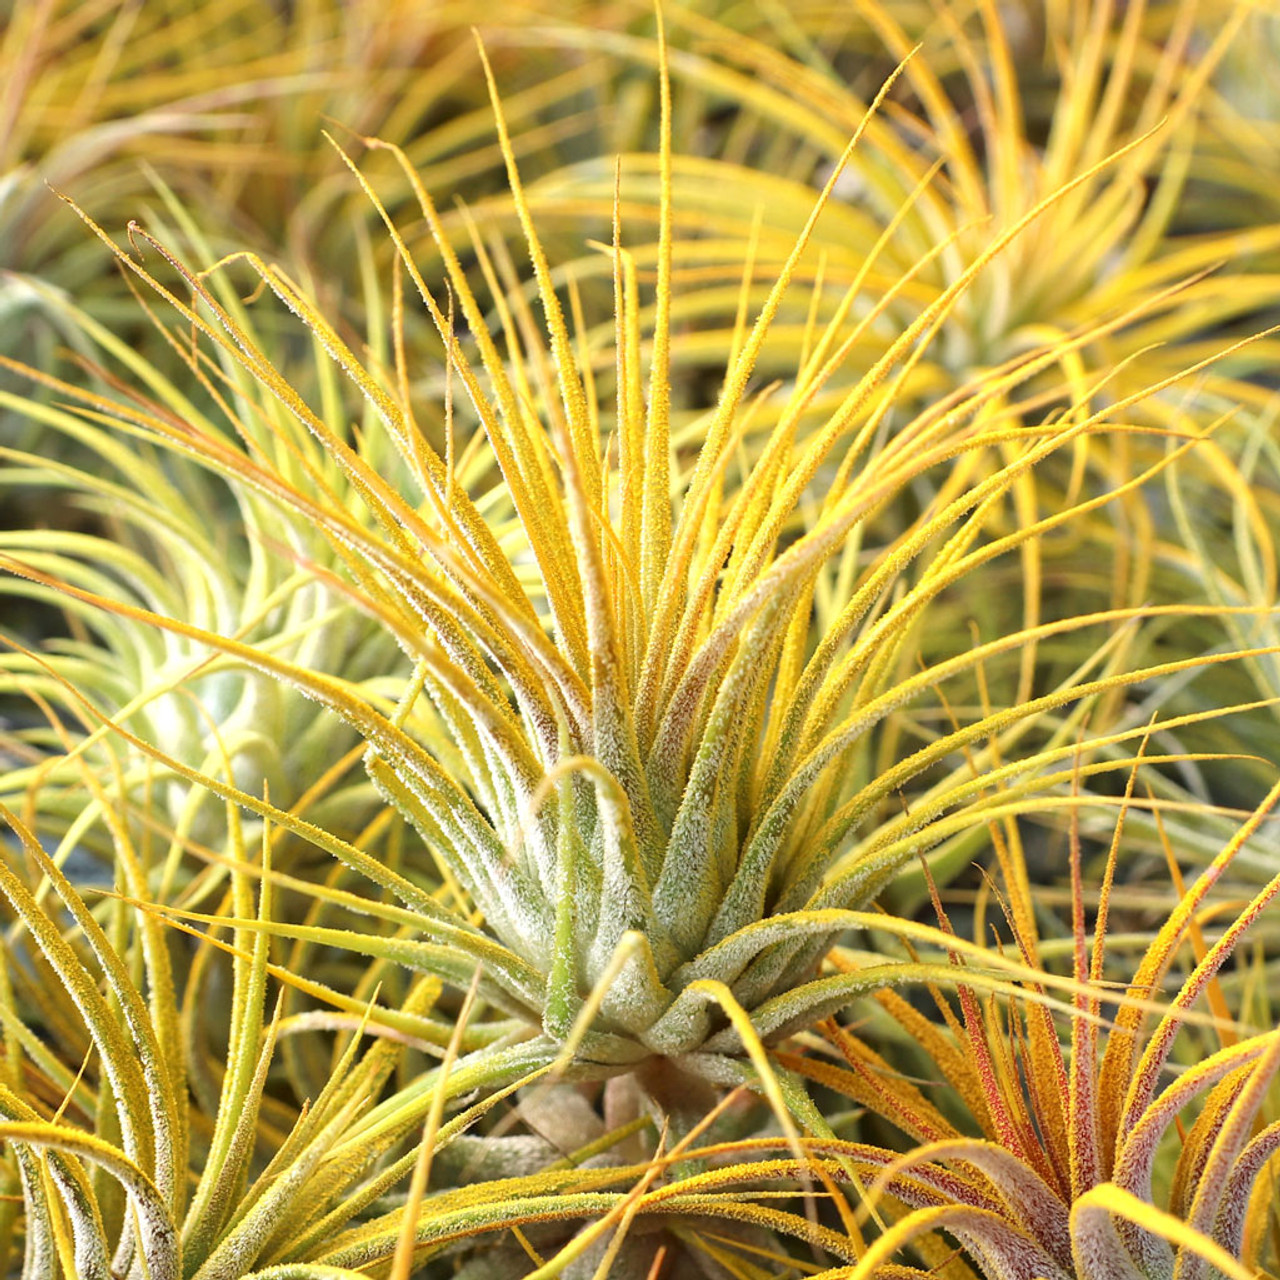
218, 105
194, 549
993, 113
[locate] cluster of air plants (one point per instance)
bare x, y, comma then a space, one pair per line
480, 748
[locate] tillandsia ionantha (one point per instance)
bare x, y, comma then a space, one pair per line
625, 744
1076, 1144
1001, 106
174, 539
658, 696
1215, 538
996, 112
219, 102
154, 1162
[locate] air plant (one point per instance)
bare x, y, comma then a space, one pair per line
219, 103
650, 781
1212, 536
88, 103
1075, 1139
180, 543
1239, 137
119, 1173
998, 110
